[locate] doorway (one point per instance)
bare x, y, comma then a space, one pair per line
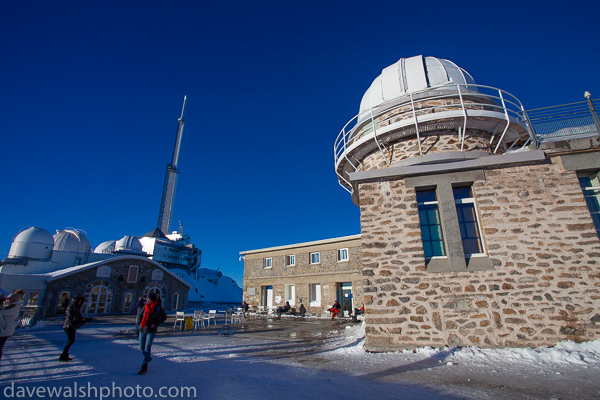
345, 298
64, 299
268, 297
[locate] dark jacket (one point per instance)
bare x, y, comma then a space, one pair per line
74, 318
157, 317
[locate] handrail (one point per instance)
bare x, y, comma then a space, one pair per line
411, 107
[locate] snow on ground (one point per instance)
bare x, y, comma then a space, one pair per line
564, 353
218, 365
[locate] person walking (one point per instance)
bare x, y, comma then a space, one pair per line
149, 320
73, 321
9, 315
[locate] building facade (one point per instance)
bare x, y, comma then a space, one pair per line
311, 275
476, 230
113, 286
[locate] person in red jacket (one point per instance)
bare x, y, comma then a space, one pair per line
149, 319
335, 309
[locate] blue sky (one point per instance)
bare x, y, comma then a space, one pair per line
92, 90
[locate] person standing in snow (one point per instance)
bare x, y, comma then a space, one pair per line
149, 320
73, 321
9, 315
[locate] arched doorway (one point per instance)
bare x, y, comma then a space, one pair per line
98, 297
159, 288
64, 299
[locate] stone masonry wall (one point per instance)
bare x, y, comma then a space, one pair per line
430, 143
544, 287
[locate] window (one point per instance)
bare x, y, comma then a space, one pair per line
315, 258
268, 262
290, 294
467, 221
431, 228
64, 299
290, 260
450, 229
133, 273
98, 297
127, 302
175, 305
315, 294
590, 184
159, 289
342, 255
34, 298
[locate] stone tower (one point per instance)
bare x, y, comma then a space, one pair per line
474, 231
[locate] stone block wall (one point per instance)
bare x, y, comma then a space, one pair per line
545, 282
430, 143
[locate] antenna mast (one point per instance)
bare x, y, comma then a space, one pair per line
165, 214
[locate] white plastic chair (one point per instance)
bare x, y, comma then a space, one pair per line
228, 315
212, 315
179, 317
198, 319
236, 316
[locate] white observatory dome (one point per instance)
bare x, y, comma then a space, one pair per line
129, 244
36, 243
71, 240
107, 247
410, 75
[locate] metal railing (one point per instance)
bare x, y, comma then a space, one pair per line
453, 107
30, 315
566, 121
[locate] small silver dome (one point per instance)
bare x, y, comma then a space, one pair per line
107, 247
129, 244
71, 240
34, 243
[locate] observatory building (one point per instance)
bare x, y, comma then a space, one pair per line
51, 268
479, 220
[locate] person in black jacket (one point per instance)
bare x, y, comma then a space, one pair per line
283, 309
149, 320
73, 321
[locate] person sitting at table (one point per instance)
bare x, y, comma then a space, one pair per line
283, 309
335, 309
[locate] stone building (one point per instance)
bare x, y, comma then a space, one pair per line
312, 274
477, 220
113, 286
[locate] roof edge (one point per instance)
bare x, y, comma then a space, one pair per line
303, 244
